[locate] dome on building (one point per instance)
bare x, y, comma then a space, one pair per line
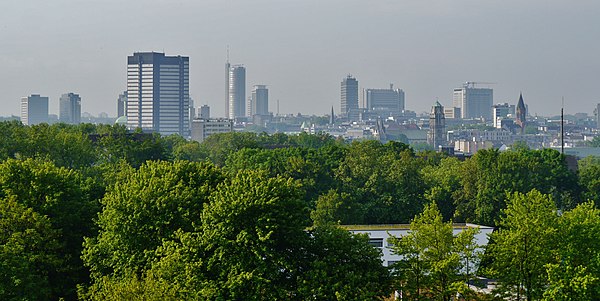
121, 120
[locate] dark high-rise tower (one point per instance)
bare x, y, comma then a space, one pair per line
158, 93
521, 114
349, 98
70, 108
436, 136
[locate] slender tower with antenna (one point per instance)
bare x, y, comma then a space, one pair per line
227, 67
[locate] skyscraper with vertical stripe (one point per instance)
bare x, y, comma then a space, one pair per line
158, 93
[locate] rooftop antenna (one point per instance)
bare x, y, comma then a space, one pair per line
228, 54
562, 127
278, 107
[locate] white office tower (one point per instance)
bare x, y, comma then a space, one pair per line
158, 93
70, 108
236, 91
473, 102
260, 100
386, 102
34, 109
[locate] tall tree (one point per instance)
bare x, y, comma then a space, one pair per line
142, 209
434, 263
28, 253
575, 274
523, 245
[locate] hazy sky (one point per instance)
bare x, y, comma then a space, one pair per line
302, 49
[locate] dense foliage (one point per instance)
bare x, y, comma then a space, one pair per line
96, 212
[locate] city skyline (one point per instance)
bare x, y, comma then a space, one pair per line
545, 49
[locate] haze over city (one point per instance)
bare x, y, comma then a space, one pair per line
302, 49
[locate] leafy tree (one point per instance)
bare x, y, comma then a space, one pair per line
445, 185
255, 223
59, 194
384, 180
435, 263
28, 253
490, 175
523, 246
334, 208
342, 266
144, 208
575, 274
133, 287
589, 178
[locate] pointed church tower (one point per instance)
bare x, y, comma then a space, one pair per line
331, 117
521, 114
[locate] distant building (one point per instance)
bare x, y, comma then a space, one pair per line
349, 98
452, 113
70, 108
205, 112
520, 119
202, 128
260, 100
387, 102
437, 126
236, 91
379, 235
122, 104
34, 109
597, 115
473, 102
158, 93
500, 112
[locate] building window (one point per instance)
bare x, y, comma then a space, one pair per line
376, 242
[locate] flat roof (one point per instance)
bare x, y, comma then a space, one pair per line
404, 227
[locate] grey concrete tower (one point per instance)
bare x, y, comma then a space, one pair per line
349, 98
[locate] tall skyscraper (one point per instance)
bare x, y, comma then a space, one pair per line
34, 109
521, 114
236, 91
158, 93
385, 101
474, 102
436, 136
70, 108
260, 100
349, 98
122, 104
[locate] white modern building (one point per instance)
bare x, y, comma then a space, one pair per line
379, 234
385, 102
158, 93
473, 102
202, 128
236, 91
70, 108
34, 109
